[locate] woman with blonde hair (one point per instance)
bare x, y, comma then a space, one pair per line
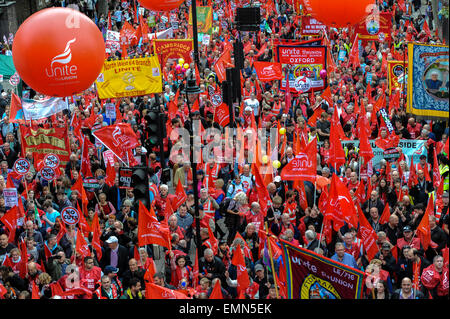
237, 207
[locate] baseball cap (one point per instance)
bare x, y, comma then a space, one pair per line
112, 239
259, 267
407, 229
110, 269
445, 195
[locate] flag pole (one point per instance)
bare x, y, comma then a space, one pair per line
271, 262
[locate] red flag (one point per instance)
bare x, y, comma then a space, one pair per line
268, 71
303, 166
110, 174
172, 108
217, 291
436, 173
368, 235
151, 271
34, 291
386, 214
90, 121
10, 220
341, 200
150, 231
85, 161
413, 180
360, 193
261, 190
96, 233
119, 116
195, 271
3, 291
354, 54
242, 274
16, 110
423, 230
153, 291
312, 121
337, 154
78, 186
81, 245
426, 28
127, 34
365, 149
23, 268
62, 231
222, 63
180, 196
222, 115
119, 138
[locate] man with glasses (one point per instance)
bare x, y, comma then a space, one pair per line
90, 274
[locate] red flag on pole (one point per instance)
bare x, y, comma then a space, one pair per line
153, 291
242, 274
96, 233
81, 245
180, 196
423, 230
217, 291
150, 231
386, 214
368, 235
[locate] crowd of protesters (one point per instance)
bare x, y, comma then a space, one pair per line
53, 266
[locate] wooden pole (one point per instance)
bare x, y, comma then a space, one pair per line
271, 262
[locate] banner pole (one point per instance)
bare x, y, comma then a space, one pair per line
271, 262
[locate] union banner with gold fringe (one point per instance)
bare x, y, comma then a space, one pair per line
313, 276
129, 77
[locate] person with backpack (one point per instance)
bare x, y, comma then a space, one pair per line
235, 186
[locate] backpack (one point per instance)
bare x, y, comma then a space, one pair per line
223, 206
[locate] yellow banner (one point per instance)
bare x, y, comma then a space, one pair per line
131, 77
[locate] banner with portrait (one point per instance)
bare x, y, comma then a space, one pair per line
396, 75
313, 276
131, 77
428, 80
305, 63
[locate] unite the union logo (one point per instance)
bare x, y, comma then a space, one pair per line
62, 71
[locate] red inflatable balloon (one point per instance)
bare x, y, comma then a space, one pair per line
58, 52
161, 5
340, 13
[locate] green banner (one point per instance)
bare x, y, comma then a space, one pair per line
204, 19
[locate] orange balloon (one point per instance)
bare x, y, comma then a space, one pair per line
159, 5
58, 52
340, 13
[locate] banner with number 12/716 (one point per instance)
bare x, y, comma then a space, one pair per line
305, 63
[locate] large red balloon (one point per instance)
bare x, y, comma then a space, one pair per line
161, 5
58, 52
340, 13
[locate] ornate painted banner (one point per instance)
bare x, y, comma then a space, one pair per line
428, 80
172, 50
313, 276
396, 75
